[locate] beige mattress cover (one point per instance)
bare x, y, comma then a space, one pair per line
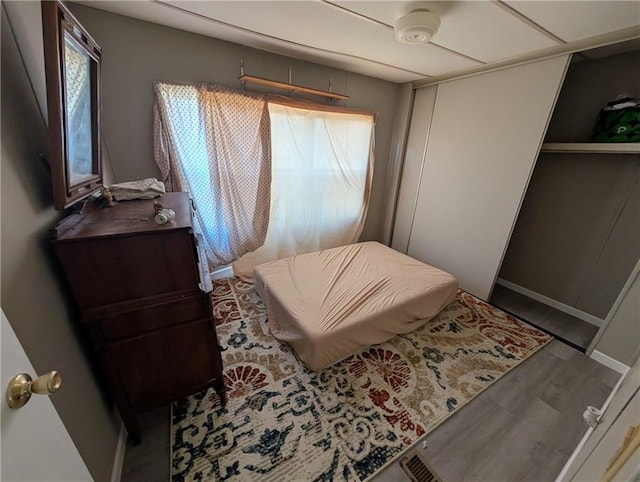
332, 303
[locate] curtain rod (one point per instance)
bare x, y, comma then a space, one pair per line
290, 87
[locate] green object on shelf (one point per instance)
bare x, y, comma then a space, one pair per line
619, 121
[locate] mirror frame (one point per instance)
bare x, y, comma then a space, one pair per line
56, 21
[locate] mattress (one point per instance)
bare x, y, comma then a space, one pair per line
332, 303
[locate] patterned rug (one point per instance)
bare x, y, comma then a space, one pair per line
284, 422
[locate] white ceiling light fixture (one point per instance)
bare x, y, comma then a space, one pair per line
416, 27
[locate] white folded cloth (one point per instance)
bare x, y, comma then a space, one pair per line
142, 189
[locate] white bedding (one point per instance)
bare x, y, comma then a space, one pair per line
332, 303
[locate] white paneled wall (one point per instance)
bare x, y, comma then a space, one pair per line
481, 143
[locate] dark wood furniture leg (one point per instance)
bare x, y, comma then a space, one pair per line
222, 394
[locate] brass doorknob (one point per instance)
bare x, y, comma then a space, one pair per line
22, 386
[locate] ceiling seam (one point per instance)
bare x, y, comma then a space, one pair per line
446, 49
244, 29
386, 25
356, 14
523, 18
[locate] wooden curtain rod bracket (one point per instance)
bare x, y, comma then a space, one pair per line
292, 88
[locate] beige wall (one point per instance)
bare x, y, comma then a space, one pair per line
577, 238
135, 53
32, 297
588, 86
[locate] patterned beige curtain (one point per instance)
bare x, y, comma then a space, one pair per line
214, 142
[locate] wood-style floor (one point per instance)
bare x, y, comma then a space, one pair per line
558, 323
523, 428
150, 461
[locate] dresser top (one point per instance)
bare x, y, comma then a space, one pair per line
127, 217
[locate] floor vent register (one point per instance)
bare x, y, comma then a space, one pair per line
417, 470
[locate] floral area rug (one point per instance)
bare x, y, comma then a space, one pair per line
283, 422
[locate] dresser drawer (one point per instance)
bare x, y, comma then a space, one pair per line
117, 269
128, 320
164, 365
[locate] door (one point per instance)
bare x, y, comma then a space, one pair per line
481, 147
35, 444
599, 447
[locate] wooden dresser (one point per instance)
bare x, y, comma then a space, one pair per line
143, 291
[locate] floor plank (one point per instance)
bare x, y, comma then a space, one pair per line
555, 321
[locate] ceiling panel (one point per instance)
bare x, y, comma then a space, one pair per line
575, 20
480, 30
159, 13
357, 36
331, 29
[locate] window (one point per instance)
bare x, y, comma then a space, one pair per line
270, 179
321, 168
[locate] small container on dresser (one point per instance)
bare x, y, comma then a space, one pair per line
143, 291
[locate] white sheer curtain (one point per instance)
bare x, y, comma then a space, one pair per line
321, 171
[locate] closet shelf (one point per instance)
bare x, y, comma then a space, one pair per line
592, 147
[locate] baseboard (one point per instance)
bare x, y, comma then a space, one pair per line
570, 310
609, 362
224, 272
118, 459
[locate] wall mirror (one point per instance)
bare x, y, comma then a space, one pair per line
72, 65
